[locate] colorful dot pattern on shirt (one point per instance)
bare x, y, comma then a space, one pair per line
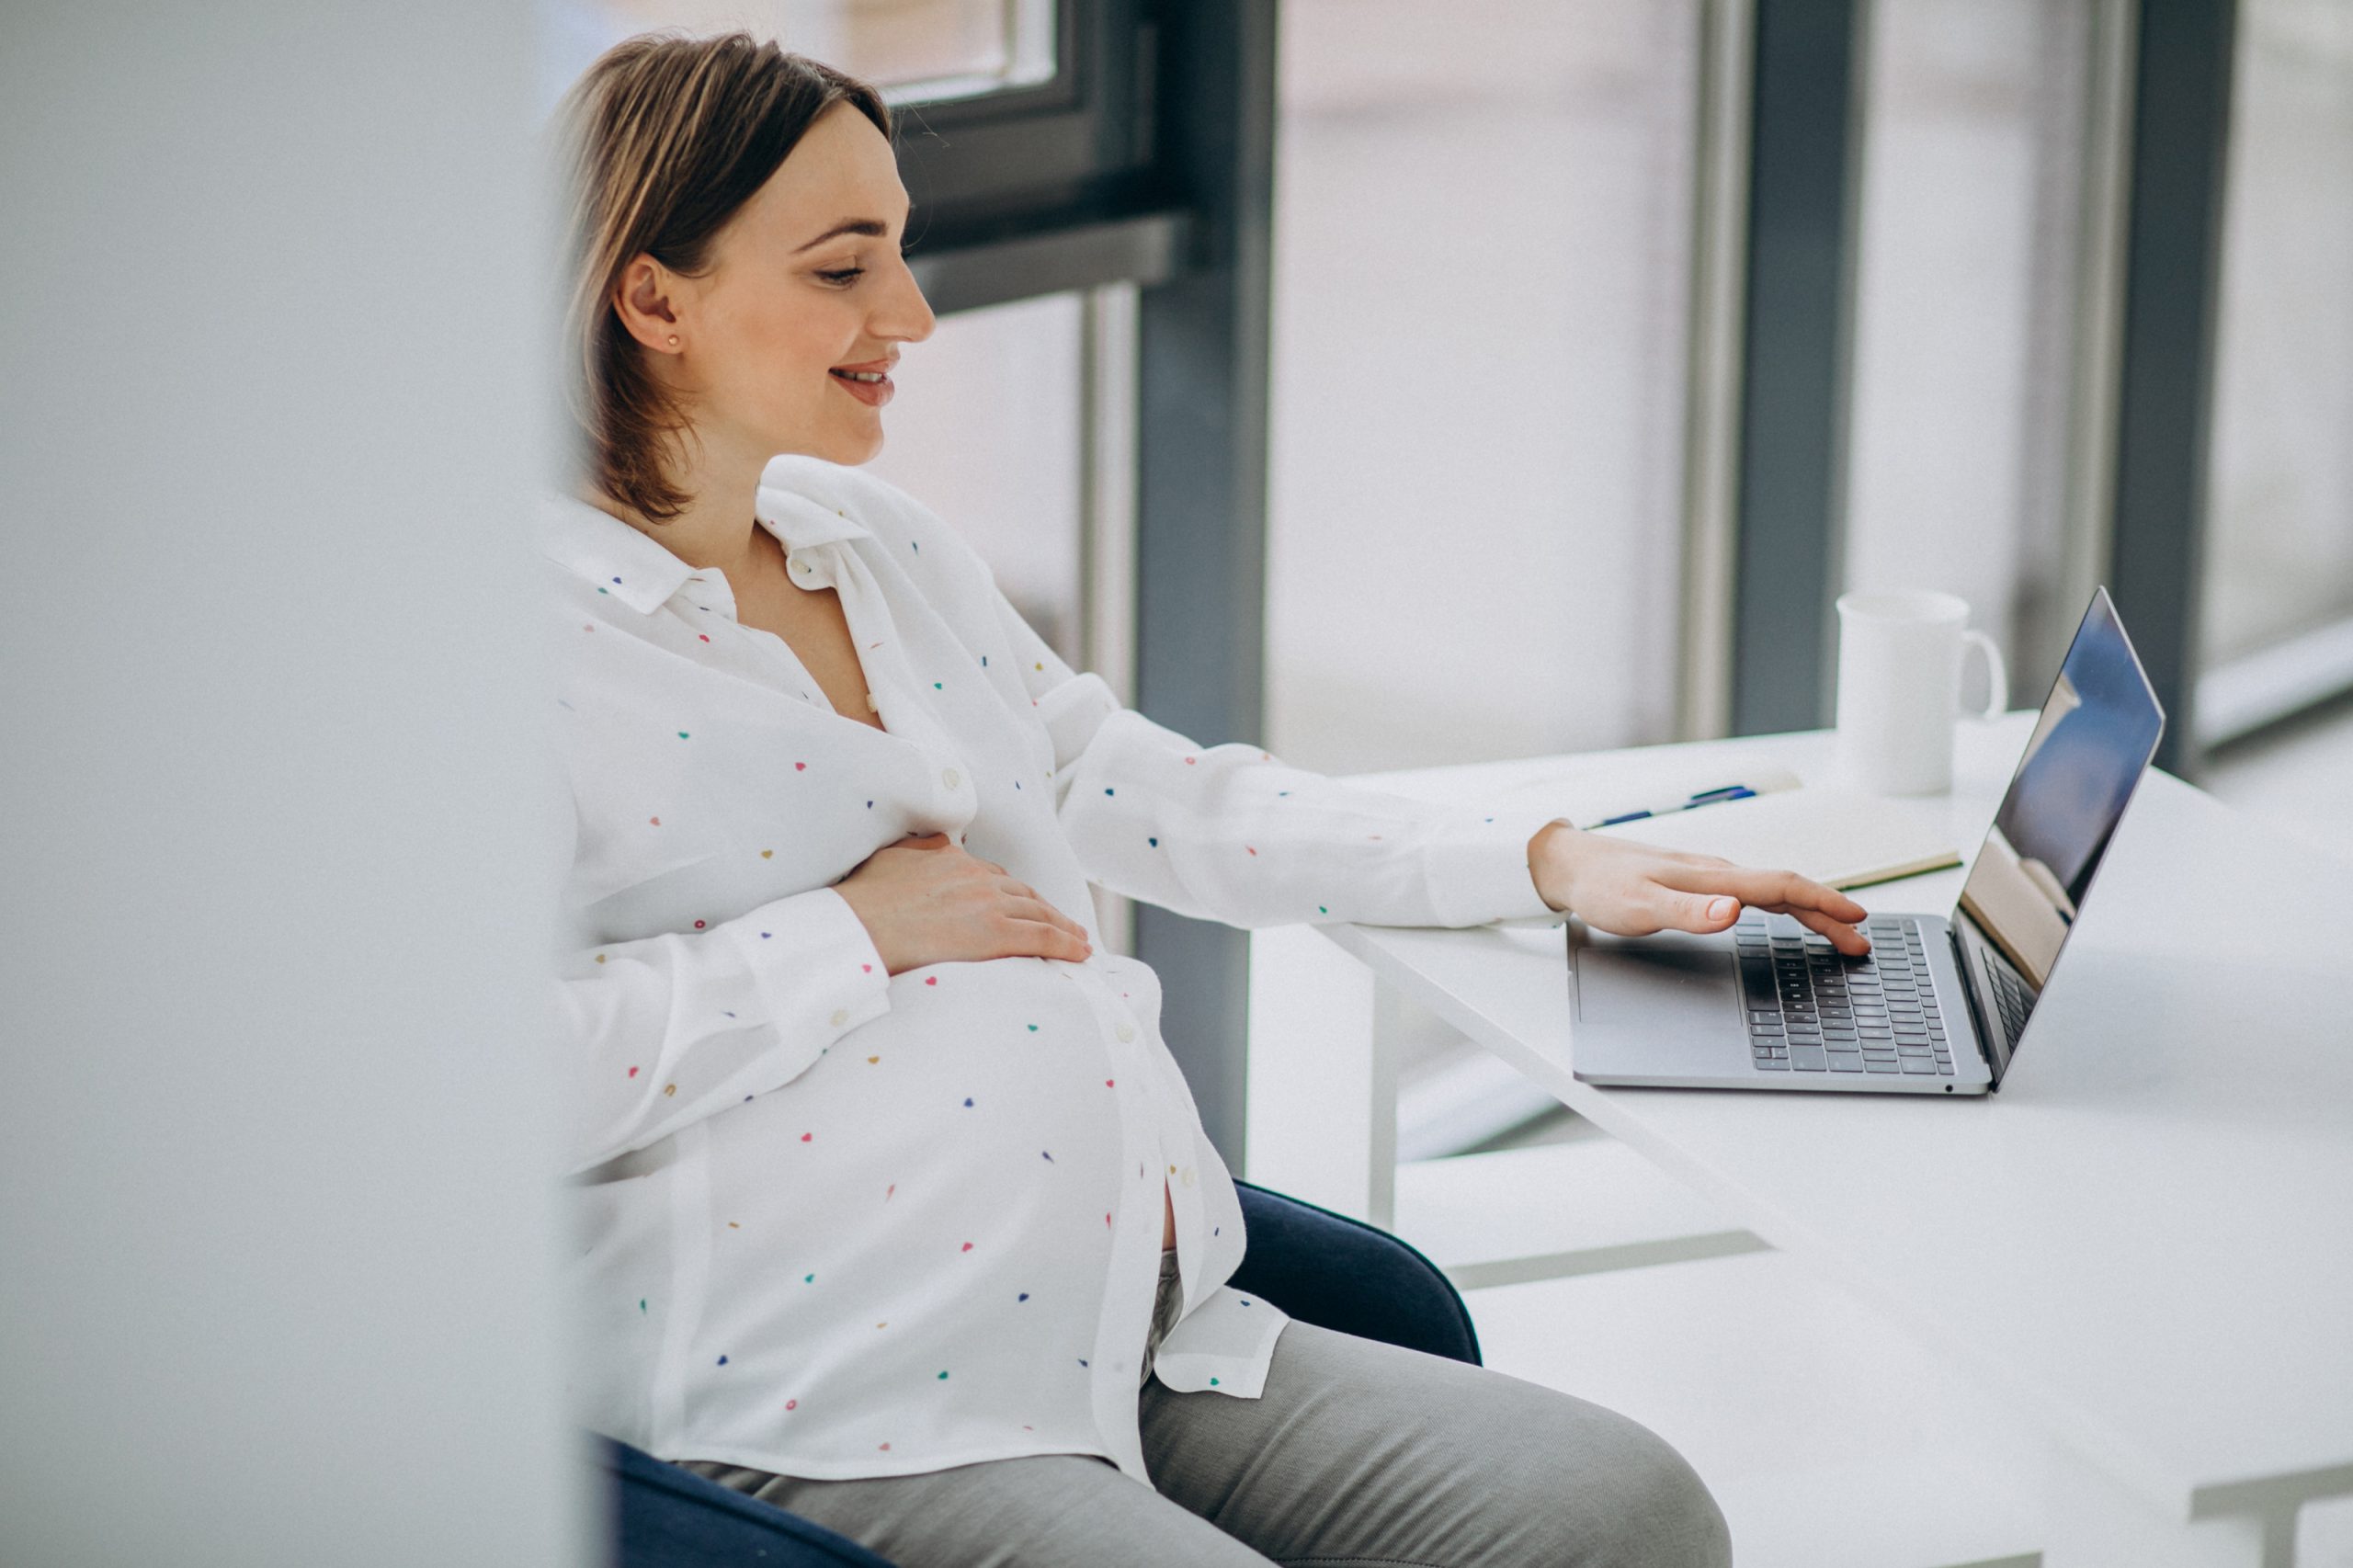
1146, 795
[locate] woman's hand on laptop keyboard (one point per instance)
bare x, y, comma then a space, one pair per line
1633, 890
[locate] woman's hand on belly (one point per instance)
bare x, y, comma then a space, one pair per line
928, 900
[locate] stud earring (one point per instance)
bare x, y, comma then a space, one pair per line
674, 340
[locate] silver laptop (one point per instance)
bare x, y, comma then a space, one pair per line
1942, 1002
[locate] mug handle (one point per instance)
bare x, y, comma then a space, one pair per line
1997, 675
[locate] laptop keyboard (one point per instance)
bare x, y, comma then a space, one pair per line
1810, 1009
2009, 1000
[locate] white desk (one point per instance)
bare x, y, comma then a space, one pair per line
2145, 1240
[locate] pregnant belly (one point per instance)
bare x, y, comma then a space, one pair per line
981, 1094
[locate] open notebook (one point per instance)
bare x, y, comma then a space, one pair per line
1841, 838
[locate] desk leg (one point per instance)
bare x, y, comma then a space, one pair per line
1380, 1108
2092, 1521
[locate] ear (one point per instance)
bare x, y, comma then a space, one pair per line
645, 299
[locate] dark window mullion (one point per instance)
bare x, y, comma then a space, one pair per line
2181, 113
1804, 137
1201, 471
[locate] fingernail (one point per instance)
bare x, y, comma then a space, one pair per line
1721, 909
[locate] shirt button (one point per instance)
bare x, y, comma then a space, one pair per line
1127, 1032
841, 1017
951, 778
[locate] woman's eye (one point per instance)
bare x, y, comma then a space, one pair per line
845, 275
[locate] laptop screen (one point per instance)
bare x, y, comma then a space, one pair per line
2098, 730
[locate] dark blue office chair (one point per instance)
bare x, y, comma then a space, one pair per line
1318, 1266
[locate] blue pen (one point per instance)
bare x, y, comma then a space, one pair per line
1705, 797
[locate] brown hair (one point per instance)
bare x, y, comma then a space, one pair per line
660, 142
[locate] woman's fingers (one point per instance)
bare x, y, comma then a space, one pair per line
1767, 890
1041, 938
1843, 936
1038, 909
1024, 892
1692, 912
1708, 899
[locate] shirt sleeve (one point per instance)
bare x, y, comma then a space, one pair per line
657, 1033
1230, 832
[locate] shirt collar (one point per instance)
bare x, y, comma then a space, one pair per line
801, 502
637, 569
617, 559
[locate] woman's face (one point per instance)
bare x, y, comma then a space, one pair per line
806, 286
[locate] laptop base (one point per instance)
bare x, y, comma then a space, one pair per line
1672, 1011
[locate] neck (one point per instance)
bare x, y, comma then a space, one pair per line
715, 528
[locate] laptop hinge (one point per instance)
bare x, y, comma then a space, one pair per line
1976, 1013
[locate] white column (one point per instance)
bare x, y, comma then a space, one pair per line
274, 819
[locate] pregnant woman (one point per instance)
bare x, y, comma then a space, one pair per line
894, 1209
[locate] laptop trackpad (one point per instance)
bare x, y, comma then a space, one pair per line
1669, 1001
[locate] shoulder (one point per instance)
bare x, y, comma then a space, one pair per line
894, 517
908, 544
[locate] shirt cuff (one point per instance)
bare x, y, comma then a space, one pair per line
1479, 872
814, 963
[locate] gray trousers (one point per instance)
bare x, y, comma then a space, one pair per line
1355, 1454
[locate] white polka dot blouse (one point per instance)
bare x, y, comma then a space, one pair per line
829, 1222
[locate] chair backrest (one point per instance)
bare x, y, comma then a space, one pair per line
1344, 1275
667, 1516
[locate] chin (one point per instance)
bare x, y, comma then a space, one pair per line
850, 447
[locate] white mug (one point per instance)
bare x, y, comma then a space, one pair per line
1899, 688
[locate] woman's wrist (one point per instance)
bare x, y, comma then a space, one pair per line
1549, 853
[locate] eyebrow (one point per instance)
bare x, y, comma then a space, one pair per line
873, 228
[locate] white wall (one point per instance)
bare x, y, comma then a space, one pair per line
984, 430
273, 1244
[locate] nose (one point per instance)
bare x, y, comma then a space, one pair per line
902, 314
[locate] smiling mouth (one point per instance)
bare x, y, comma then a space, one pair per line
871, 387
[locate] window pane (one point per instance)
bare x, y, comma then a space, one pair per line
1483, 228
2280, 556
927, 49
989, 429
985, 429
1973, 184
